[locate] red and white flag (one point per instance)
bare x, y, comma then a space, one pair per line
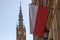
38, 16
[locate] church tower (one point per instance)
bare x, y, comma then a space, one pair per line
20, 29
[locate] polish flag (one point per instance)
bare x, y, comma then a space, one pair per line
37, 16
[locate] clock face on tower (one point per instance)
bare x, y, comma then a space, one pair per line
19, 32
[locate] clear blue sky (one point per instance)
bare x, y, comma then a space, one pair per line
9, 10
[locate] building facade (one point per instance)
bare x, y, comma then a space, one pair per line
53, 21
20, 29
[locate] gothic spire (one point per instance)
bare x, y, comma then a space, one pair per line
20, 17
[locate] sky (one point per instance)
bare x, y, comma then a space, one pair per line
9, 11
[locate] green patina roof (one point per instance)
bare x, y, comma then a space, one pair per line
20, 18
